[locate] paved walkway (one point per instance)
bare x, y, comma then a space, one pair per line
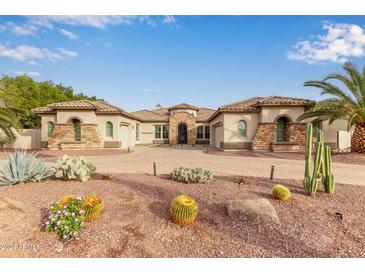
167, 158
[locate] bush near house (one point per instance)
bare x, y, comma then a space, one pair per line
192, 175
22, 167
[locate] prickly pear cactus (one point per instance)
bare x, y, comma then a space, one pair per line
183, 209
281, 192
74, 168
194, 175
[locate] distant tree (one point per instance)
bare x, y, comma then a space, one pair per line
347, 103
24, 94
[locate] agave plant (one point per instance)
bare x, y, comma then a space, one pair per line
22, 167
74, 168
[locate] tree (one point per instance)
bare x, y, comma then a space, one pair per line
347, 102
24, 94
8, 124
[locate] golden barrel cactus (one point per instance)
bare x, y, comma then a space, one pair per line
93, 206
281, 192
183, 209
66, 200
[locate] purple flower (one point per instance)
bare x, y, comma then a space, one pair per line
76, 220
81, 211
65, 236
75, 233
78, 198
58, 222
65, 207
82, 223
73, 214
47, 223
66, 227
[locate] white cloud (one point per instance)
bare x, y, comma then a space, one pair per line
28, 73
29, 54
68, 34
149, 90
68, 53
169, 19
338, 45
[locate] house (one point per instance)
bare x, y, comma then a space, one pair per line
257, 123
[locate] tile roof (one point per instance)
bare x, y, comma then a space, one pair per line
183, 106
246, 104
280, 100
162, 114
98, 106
150, 116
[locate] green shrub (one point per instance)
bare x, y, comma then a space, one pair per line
22, 167
192, 175
78, 168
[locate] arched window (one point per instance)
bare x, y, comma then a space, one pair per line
281, 129
242, 128
109, 129
50, 128
77, 129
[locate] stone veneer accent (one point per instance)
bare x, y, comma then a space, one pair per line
265, 137
64, 133
175, 120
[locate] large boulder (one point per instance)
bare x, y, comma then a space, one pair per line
258, 210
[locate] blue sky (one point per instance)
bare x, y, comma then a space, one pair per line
139, 61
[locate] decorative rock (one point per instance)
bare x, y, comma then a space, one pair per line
252, 210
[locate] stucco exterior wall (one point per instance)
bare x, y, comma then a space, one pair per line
26, 139
230, 126
101, 120
217, 131
86, 116
44, 125
269, 114
148, 132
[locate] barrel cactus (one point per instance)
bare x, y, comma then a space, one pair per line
183, 209
281, 192
192, 175
93, 206
78, 168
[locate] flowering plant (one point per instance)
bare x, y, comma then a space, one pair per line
66, 220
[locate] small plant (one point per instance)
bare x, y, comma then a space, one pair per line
281, 192
22, 167
78, 168
183, 209
68, 220
93, 206
194, 175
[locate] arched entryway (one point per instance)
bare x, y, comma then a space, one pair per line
77, 129
282, 130
182, 133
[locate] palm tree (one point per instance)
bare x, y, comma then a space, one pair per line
347, 103
8, 122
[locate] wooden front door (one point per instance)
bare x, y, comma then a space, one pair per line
182, 133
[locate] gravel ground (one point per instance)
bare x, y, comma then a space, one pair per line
343, 157
136, 221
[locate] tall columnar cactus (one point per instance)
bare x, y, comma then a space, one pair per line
312, 174
328, 180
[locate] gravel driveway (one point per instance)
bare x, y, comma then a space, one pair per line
168, 158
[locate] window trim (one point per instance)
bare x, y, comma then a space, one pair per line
138, 132
49, 132
203, 132
111, 128
244, 131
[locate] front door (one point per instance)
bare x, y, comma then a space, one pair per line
182, 133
